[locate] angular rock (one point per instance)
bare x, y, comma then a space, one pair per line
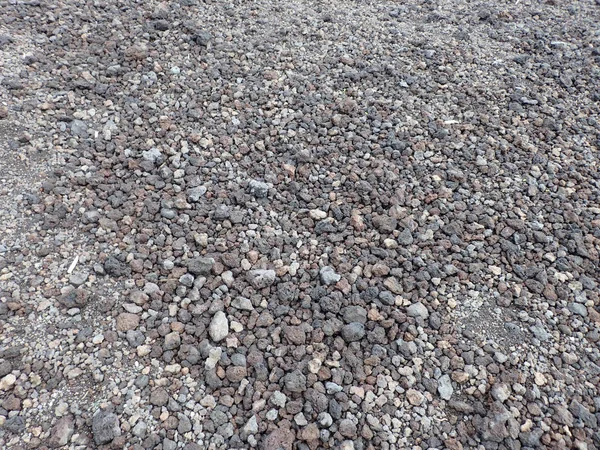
328, 276
281, 438
172, 341
159, 397
114, 267
418, 310
200, 266
251, 426
127, 321
261, 278
353, 332
61, 432
309, 433
295, 381
445, 388
405, 237
242, 303
105, 427
501, 392
258, 189
15, 424
295, 335
219, 327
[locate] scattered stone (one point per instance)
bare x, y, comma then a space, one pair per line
405, 237
418, 310
279, 246
159, 397
219, 327
281, 438
295, 335
200, 266
15, 424
328, 276
251, 426
309, 433
501, 392
172, 341
347, 428
152, 155
414, 397
105, 427
278, 399
116, 268
7, 382
258, 189
242, 303
261, 279
61, 432
353, 332
578, 308
295, 381
445, 388
127, 321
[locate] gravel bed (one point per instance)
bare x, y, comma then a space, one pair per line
299, 224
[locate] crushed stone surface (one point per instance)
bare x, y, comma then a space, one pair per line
299, 224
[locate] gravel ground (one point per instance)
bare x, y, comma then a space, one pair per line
299, 225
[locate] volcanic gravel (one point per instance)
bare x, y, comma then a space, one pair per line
299, 224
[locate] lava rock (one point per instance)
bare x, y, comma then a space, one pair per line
105, 427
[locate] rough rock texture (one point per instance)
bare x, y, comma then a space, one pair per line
105, 427
313, 225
